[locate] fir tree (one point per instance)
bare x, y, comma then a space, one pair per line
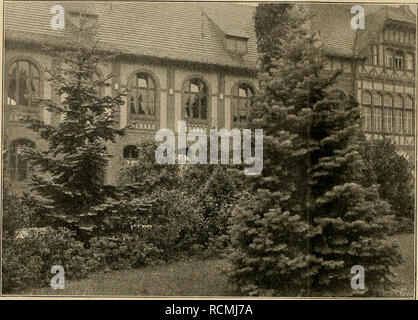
69, 173
308, 220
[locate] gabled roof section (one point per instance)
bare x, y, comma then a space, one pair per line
228, 27
168, 30
375, 22
333, 21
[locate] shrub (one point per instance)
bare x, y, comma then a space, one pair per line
29, 256
394, 175
121, 252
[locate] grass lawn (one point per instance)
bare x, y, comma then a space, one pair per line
406, 270
198, 278
185, 278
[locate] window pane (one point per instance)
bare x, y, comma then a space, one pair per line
194, 88
408, 102
398, 102
388, 101
389, 58
377, 100
367, 98
241, 45
409, 62
387, 121
367, 118
142, 82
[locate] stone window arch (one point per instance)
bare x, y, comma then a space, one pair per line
242, 98
143, 95
24, 82
196, 100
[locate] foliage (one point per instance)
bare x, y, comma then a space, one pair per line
28, 258
309, 219
69, 173
189, 205
394, 175
121, 252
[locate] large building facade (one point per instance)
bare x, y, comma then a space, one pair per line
198, 62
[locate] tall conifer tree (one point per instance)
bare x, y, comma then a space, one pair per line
308, 220
69, 174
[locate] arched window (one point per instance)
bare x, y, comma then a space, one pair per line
388, 100
18, 165
142, 96
389, 58
409, 102
367, 98
242, 99
377, 99
409, 61
398, 101
196, 100
130, 152
23, 84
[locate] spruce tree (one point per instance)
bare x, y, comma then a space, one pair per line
308, 220
68, 179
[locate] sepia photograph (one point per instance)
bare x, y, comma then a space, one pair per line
208, 149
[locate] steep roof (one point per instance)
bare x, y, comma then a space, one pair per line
172, 30
333, 21
186, 32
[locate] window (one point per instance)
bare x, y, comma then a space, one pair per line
409, 61
84, 22
398, 102
375, 55
398, 121
412, 38
241, 103
387, 120
396, 36
377, 100
130, 152
18, 165
388, 100
196, 100
408, 102
367, 98
377, 119
402, 36
399, 60
141, 96
367, 118
236, 44
23, 84
408, 122
388, 58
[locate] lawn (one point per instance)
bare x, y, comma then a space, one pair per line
198, 278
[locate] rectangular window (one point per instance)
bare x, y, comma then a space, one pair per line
377, 119
377, 100
409, 61
367, 118
398, 121
236, 44
408, 122
399, 61
387, 120
389, 59
375, 55
402, 36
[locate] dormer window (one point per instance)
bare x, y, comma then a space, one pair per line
85, 22
236, 44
